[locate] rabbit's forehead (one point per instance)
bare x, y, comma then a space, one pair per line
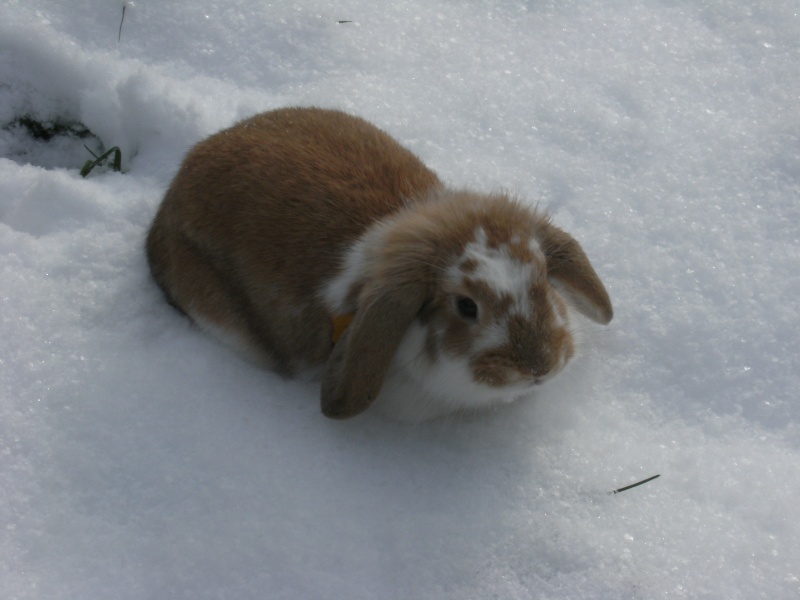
509, 267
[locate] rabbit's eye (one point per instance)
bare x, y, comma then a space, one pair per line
467, 308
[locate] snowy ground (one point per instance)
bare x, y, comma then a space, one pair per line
139, 459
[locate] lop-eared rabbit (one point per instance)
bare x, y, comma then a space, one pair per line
310, 239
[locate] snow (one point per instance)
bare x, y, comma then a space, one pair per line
140, 459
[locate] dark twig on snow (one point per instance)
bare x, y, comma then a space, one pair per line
119, 35
633, 485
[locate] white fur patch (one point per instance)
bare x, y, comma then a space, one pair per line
336, 290
416, 389
355, 265
505, 274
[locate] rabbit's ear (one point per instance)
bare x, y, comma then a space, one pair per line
570, 271
358, 364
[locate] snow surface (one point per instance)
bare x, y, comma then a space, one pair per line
140, 459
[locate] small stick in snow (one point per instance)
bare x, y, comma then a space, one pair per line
119, 35
633, 485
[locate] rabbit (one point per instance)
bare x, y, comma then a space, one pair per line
309, 239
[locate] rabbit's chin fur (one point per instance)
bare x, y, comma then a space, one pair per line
417, 389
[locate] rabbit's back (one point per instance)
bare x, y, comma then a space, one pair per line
260, 215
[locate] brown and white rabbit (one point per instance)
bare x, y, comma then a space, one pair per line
311, 238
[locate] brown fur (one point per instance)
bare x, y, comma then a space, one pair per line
259, 214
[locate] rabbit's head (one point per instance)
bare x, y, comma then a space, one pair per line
464, 293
